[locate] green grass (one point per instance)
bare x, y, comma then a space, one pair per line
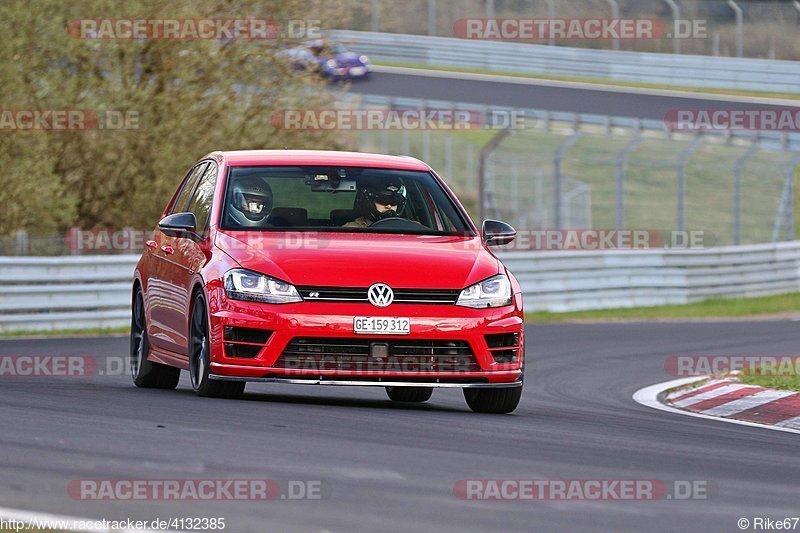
598, 81
769, 379
66, 332
712, 308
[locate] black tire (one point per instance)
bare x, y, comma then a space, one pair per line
409, 394
147, 374
498, 401
199, 358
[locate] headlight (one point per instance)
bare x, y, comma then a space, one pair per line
493, 292
364, 59
331, 63
243, 284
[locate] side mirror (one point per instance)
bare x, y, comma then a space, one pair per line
179, 225
497, 233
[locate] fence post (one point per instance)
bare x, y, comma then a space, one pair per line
739, 27
676, 15
738, 167
683, 158
621, 160
431, 17
448, 156
375, 17
614, 15
470, 166
566, 145
22, 247
484, 154
787, 202
551, 14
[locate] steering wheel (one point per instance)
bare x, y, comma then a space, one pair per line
395, 223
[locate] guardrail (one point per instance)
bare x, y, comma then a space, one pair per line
68, 292
90, 292
579, 280
644, 67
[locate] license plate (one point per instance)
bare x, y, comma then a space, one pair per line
382, 325
357, 71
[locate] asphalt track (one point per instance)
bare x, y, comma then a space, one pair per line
392, 467
542, 94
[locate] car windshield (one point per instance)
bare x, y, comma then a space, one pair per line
351, 199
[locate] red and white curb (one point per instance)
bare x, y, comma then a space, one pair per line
726, 400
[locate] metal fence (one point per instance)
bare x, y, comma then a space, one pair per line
749, 28
565, 170
534, 59
56, 293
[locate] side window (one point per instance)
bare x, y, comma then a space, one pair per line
182, 200
203, 197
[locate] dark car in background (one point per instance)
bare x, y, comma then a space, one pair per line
332, 60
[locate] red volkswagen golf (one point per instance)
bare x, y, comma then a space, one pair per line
326, 268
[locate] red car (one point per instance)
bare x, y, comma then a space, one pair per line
326, 268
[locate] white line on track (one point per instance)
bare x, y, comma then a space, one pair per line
501, 78
47, 520
648, 396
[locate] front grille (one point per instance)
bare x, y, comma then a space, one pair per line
351, 294
404, 355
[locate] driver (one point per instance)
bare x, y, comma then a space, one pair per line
252, 202
378, 200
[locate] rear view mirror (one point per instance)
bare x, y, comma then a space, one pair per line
179, 225
497, 233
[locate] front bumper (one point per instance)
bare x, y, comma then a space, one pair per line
335, 320
364, 383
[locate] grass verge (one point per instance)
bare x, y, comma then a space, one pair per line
711, 308
66, 332
771, 379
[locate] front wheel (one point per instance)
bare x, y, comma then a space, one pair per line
147, 374
498, 401
409, 394
200, 358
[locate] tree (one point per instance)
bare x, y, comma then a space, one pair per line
183, 99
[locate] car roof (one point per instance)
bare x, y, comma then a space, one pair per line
240, 158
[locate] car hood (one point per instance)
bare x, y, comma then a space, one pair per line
336, 259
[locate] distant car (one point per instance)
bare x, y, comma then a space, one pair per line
326, 268
332, 60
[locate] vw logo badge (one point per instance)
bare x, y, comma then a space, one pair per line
380, 295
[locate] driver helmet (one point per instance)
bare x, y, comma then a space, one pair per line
251, 202
382, 198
